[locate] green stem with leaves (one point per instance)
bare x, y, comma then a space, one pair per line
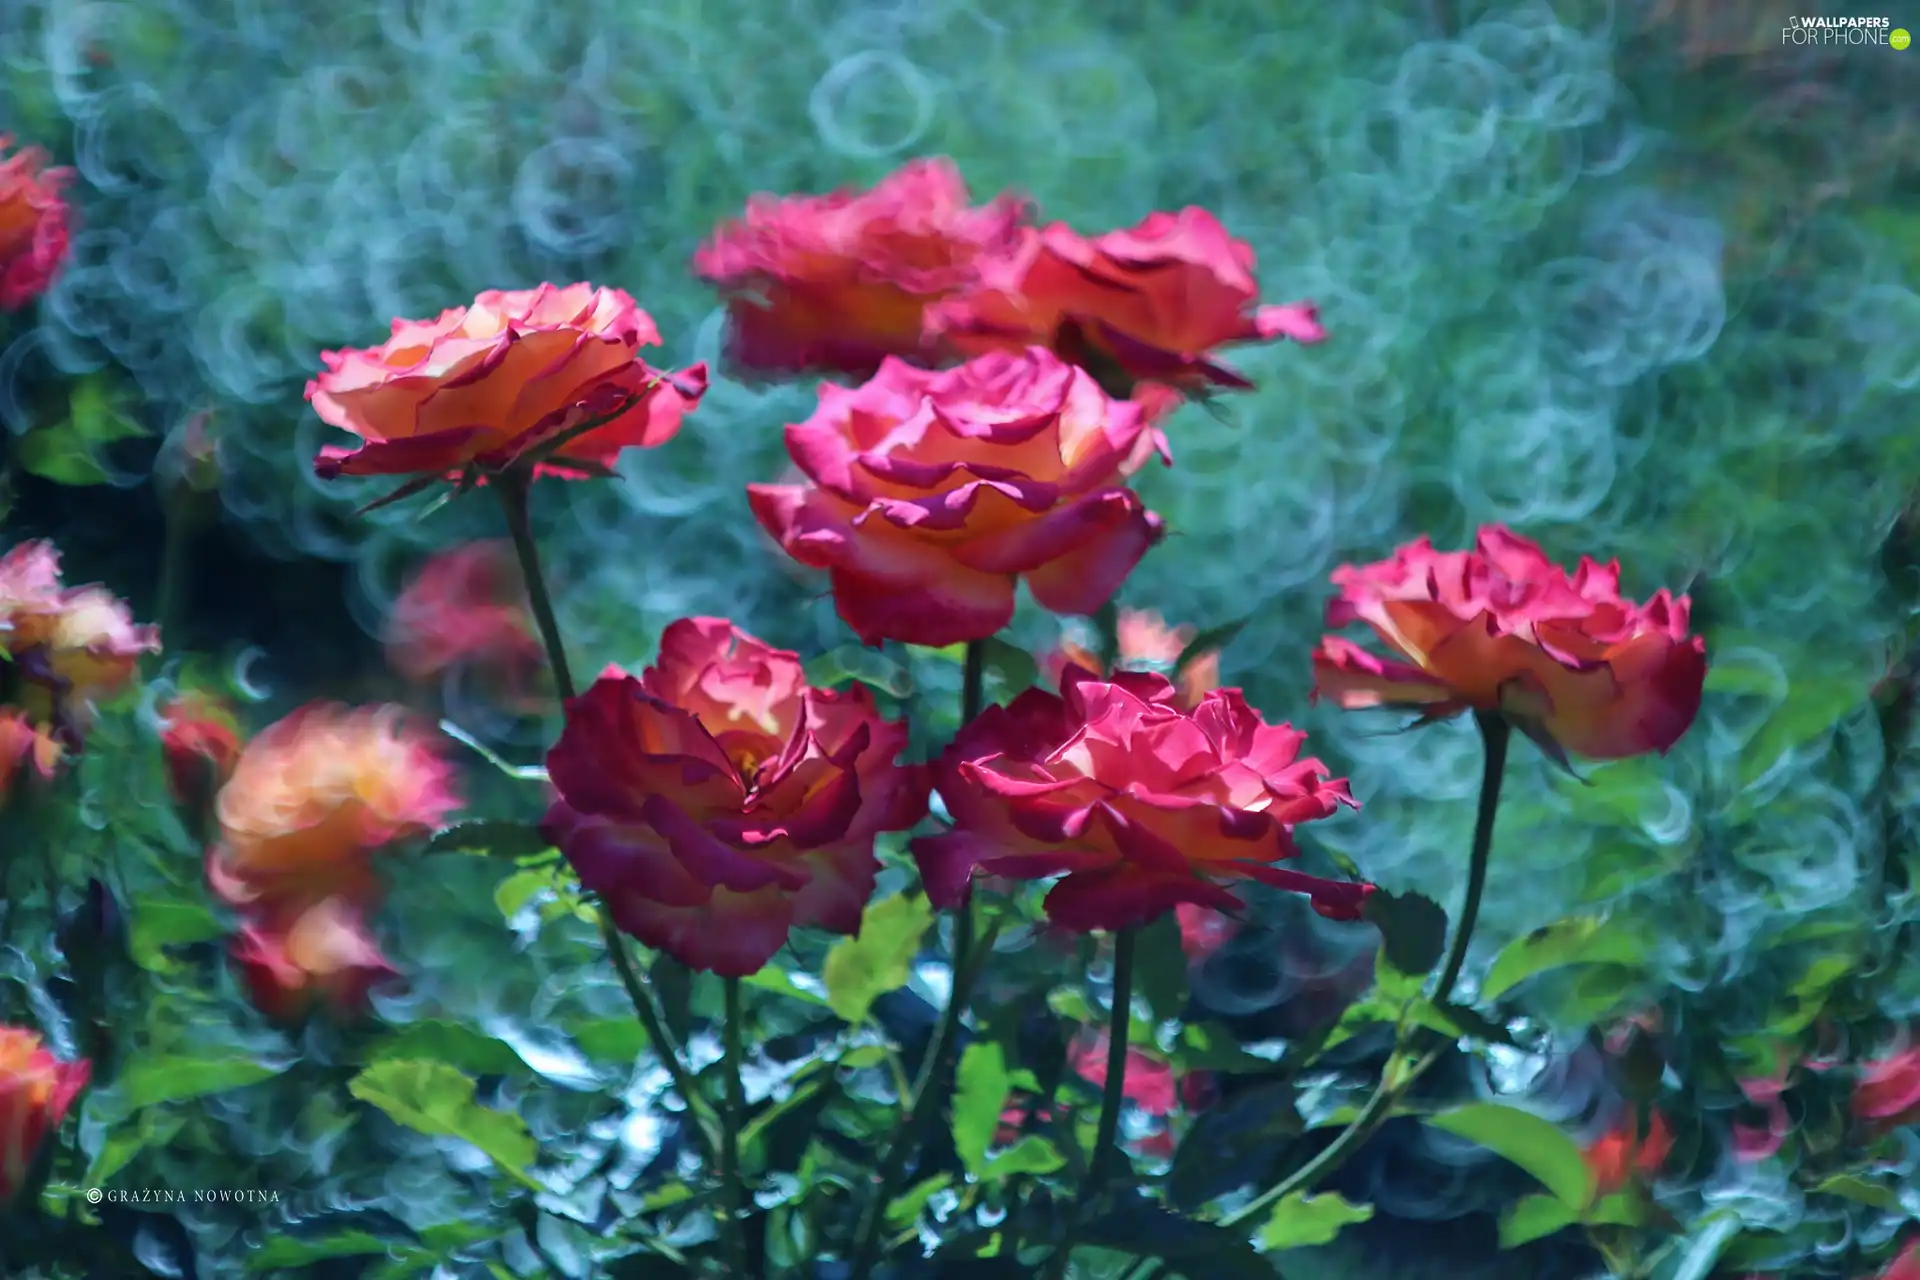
1113, 1095
1495, 735
731, 1183
514, 488
914, 1107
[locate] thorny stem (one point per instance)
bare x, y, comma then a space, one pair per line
905, 1137
1113, 1091
1495, 734
513, 487
730, 1179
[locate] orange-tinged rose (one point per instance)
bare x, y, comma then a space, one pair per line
933, 492
485, 383
34, 224
324, 956
1502, 628
717, 802
466, 607
837, 282
1147, 643
1149, 304
24, 743
1137, 804
314, 794
1621, 1155
36, 1089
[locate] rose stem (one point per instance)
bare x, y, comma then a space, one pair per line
1495, 733
973, 699
514, 486
730, 1179
1113, 1092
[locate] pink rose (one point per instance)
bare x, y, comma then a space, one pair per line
34, 224
933, 493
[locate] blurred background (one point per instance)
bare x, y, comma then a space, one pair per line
1636, 278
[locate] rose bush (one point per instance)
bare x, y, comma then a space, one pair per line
1138, 805
717, 801
841, 281
484, 384
1502, 628
932, 492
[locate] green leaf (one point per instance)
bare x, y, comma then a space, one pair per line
155, 1128
491, 839
434, 1098
1160, 968
1033, 1154
1208, 1046
1704, 1252
1457, 1021
150, 1080
856, 662
157, 923
1413, 930
1199, 1250
1579, 940
514, 894
1301, 1221
54, 455
879, 959
779, 981
96, 413
907, 1206
1857, 1189
1815, 702
284, 1252
1011, 665
451, 1043
1212, 640
981, 1086
1535, 1218
1524, 1139
613, 1040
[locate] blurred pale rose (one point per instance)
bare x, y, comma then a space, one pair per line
485, 383
35, 224
467, 608
717, 802
1502, 628
323, 956
36, 1089
1149, 304
1203, 930
1147, 643
314, 794
70, 646
1137, 804
933, 493
838, 282
1148, 1082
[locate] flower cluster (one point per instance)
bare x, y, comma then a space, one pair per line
62, 650
309, 802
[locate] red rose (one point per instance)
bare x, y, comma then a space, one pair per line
1148, 1082
840, 281
1906, 1266
1147, 304
36, 1089
1620, 1155
1888, 1090
321, 956
1502, 628
1141, 805
201, 742
486, 383
467, 608
718, 801
934, 492
33, 224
